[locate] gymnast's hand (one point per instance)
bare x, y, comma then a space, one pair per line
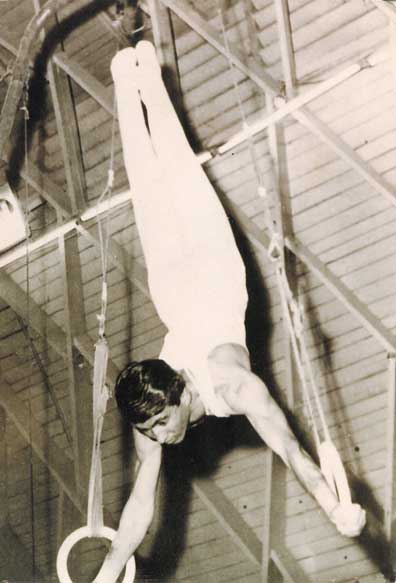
349, 519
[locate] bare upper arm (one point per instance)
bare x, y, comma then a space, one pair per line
231, 355
242, 390
149, 455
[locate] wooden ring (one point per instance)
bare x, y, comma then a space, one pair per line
75, 537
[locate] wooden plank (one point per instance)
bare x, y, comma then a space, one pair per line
130, 267
46, 450
348, 298
225, 512
68, 134
303, 115
80, 390
19, 564
164, 41
286, 45
45, 326
17, 299
87, 81
204, 29
312, 122
351, 301
273, 524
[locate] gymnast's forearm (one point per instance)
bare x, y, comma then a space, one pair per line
311, 477
135, 521
271, 424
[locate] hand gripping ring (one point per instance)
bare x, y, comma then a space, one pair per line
75, 537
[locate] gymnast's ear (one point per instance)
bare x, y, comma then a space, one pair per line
185, 397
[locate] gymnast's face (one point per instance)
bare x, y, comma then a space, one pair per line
169, 426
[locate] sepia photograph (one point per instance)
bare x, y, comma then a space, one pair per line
197, 291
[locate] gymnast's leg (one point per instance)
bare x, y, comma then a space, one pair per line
195, 198
155, 212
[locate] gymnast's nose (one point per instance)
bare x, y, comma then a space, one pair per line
159, 434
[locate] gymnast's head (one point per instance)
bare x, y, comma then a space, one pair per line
145, 389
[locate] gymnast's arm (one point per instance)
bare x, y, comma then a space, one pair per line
246, 394
138, 511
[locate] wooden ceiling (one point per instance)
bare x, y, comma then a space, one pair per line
245, 516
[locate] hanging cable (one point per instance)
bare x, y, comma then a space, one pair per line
330, 461
26, 116
95, 523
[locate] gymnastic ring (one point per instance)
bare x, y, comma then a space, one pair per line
75, 537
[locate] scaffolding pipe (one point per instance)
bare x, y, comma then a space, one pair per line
288, 107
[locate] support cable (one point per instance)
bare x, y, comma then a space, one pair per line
95, 524
330, 461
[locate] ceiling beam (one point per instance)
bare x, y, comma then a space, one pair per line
350, 300
207, 32
79, 390
44, 325
286, 46
229, 518
288, 107
331, 281
164, 41
68, 134
267, 83
102, 94
30, 311
337, 144
275, 511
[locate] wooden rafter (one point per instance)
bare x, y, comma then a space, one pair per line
229, 518
79, 389
337, 144
277, 469
286, 46
267, 83
161, 19
88, 82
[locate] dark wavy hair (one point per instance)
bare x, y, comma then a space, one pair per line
143, 389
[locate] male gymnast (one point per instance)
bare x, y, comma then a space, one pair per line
197, 282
